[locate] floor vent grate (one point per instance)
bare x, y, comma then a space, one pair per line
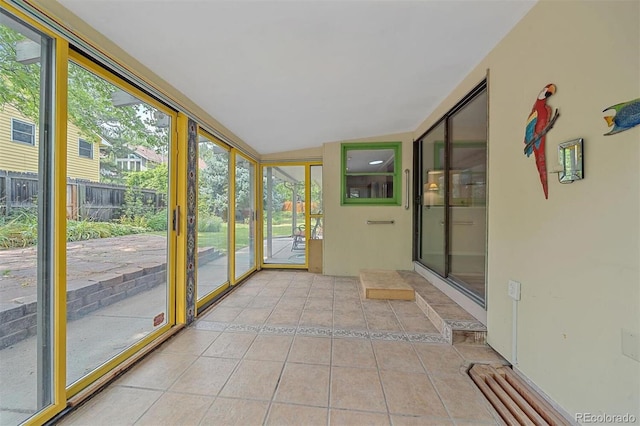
514, 400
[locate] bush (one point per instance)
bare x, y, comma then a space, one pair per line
158, 221
209, 224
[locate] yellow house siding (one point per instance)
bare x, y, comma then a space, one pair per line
21, 157
81, 167
16, 156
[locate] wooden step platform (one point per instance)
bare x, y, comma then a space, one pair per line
385, 285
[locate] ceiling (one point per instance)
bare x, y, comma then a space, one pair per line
287, 75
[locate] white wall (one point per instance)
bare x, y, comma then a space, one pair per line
349, 243
576, 254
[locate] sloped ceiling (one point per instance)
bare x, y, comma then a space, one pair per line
287, 75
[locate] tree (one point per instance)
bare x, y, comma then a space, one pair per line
89, 105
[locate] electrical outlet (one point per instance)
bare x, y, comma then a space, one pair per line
631, 344
514, 290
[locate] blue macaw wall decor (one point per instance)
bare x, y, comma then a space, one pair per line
627, 115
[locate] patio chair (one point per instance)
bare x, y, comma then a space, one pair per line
298, 239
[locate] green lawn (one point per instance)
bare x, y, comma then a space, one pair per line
218, 240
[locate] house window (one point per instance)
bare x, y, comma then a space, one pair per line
23, 132
371, 173
85, 149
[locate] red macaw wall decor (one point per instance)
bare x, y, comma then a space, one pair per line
540, 121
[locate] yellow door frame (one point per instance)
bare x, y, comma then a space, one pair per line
175, 307
59, 295
232, 216
225, 285
307, 212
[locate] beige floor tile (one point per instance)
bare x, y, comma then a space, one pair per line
479, 353
396, 356
314, 304
357, 389
264, 302
296, 292
304, 384
359, 418
296, 415
452, 312
253, 316
404, 308
320, 293
253, 380
316, 319
412, 394
288, 303
157, 371
190, 341
417, 325
205, 376
349, 320
439, 359
347, 305
461, 397
230, 345
236, 301
269, 348
383, 323
222, 314
310, 350
272, 292
353, 353
284, 316
116, 405
176, 409
236, 412
397, 420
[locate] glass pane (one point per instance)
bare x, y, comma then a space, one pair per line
467, 197
117, 222
245, 216
316, 190
370, 161
26, 228
369, 186
213, 210
432, 209
284, 215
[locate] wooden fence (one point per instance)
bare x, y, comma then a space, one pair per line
85, 199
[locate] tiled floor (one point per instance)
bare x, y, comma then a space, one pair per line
294, 348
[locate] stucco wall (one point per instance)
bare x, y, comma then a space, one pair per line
349, 243
576, 254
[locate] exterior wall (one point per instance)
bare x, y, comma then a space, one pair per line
576, 254
349, 243
20, 157
16, 156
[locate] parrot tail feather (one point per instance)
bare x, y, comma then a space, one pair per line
609, 120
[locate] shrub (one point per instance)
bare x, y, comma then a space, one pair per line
158, 221
209, 224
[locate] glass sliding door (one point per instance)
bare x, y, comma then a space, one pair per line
284, 215
26, 221
432, 214
451, 222
244, 216
119, 246
213, 217
467, 198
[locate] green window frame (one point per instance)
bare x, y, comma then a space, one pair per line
351, 196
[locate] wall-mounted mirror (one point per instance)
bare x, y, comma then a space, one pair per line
570, 157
